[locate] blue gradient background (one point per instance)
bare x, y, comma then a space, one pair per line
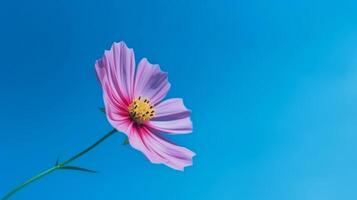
272, 85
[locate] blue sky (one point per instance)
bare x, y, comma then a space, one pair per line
271, 85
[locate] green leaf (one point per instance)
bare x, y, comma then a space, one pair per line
126, 141
102, 109
57, 160
78, 169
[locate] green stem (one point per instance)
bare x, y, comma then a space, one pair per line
58, 166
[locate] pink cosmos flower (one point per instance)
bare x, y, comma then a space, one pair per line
134, 106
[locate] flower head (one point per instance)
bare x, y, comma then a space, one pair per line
134, 105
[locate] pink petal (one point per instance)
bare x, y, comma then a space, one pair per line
115, 110
116, 71
158, 150
171, 109
151, 82
117, 67
179, 126
171, 116
109, 84
111, 97
118, 119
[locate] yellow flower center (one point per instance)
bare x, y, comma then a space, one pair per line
141, 110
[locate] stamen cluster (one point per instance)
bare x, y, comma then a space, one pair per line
141, 110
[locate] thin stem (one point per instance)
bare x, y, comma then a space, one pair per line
89, 148
24, 184
58, 166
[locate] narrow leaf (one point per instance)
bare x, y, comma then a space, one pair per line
126, 141
102, 109
57, 161
78, 169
